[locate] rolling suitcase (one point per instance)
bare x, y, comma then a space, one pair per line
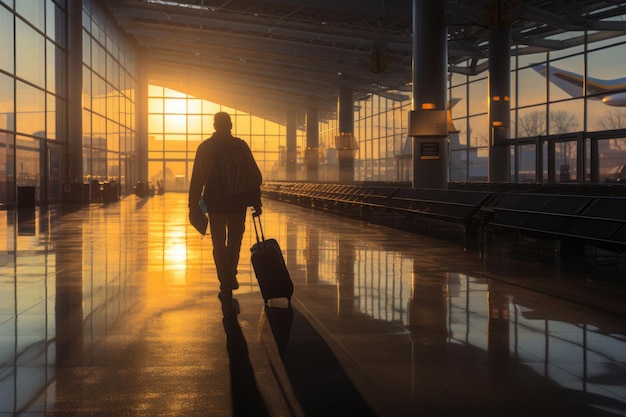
269, 266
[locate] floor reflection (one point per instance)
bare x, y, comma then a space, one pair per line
112, 309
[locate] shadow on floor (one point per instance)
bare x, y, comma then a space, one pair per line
246, 398
317, 378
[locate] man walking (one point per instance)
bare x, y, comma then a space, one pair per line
228, 180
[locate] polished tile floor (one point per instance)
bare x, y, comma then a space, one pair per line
112, 310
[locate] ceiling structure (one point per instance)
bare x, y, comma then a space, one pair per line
271, 57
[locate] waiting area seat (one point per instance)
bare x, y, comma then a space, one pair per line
574, 220
599, 220
389, 205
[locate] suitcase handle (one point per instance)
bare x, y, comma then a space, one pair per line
257, 218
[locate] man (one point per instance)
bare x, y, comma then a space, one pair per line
227, 211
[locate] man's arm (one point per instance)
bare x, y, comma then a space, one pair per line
198, 174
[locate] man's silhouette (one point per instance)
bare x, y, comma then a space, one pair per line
227, 212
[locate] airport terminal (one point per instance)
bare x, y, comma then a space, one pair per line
445, 180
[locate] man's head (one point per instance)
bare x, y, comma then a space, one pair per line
222, 122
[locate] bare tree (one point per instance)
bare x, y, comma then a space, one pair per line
562, 122
613, 119
533, 124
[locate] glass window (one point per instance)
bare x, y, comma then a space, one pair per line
606, 69
176, 176
7, 97
86, 48
210, 108
30, 66
155, 123
531, 87
99, 94
87, 88
175, 123
51, 119
612, 160
478, 95
565, 156
479, 131
175, 142
577, 38
458, 101
603, 117
241, 124
168, 92
566, 117
532, 121
87, 128
566, 78
194, 124
194, 106
604, 42
155, 171
33, 12
6, 34
526, 162
155, 91
30, 110
51, 67
175, 106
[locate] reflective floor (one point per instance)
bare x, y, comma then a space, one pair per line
113, 310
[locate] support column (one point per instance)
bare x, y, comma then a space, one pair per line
428, 119
142, 120
499, 104
311, 154
74, 161
291, 153
345, 142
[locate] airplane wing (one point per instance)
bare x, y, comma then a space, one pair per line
572, 83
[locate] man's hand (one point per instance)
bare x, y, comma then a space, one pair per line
257, 210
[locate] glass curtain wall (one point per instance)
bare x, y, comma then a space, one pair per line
540, 107
381, 130
33, 97
109, 88
591, 99
178, 123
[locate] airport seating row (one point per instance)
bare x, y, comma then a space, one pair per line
390, 205
574, 220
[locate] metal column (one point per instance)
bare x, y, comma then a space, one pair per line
428, 119
291, 152
345, 141
74, 171
499, 104
311, 154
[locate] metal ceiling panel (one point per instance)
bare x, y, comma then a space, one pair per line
270, 57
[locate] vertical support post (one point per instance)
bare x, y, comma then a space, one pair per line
345, 141
141, 113
74, 171
428, 119
291, 153
499, 104
311, 154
